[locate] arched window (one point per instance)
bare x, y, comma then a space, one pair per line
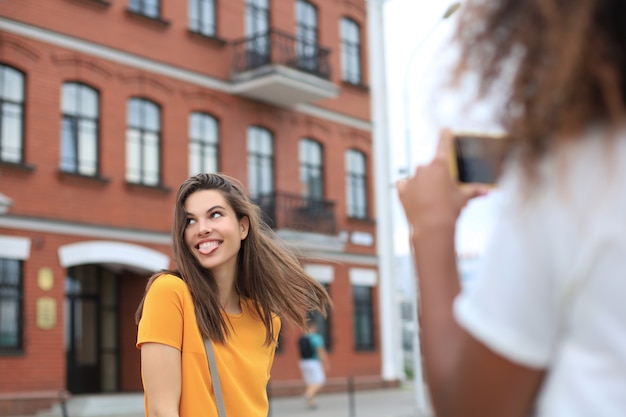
79, 129
350, 51
11, 115
203, 143
202, 16
260, 162
356, 184
149, 8
143, 142
257, 31
306, 36
311, 169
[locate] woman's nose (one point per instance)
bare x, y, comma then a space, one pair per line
204, 227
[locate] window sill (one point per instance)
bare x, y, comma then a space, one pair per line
157, 21
362, 220
11, 352
96, 178
207, 38
160, 188
371, 349
20, 166
103, 4
359, 86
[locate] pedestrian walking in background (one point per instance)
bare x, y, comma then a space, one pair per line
542, 330
233, 280
314, 362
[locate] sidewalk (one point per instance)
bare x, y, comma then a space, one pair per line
390, 402
387, 402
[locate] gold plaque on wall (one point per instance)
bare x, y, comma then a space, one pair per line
45, 278
46, 313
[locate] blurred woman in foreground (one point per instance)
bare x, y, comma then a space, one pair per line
543, 330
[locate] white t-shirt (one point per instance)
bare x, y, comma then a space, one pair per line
551, 289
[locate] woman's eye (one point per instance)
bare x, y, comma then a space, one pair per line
190, 221
216, 214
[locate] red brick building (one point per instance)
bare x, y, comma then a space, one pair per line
106, 106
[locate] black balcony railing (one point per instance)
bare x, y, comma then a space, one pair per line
280, 48
292, 211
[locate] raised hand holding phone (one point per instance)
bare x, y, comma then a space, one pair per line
431, 197
478, 157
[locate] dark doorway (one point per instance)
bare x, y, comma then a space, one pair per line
91, 323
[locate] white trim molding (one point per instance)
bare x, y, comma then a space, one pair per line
146, 64
106, 252
322, 273
12, 247
363, 276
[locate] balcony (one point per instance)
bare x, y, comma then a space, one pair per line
280, 69
294, 212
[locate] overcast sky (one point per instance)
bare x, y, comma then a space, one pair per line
416, 28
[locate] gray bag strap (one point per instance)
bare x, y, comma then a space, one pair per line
215, 378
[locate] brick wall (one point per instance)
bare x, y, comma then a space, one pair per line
40, 191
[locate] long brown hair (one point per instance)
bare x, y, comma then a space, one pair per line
565, 60
268, 273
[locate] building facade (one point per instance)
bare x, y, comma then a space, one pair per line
106, 106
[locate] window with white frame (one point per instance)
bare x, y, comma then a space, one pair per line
11, 305
350, 51
143, 142
149, 8
257, 31
203, 143
306, 35
356, 184
202, 17
260, 162
311, 170
363, 319
257, 17
79, 129
11, 115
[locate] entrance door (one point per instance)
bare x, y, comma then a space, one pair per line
91, 330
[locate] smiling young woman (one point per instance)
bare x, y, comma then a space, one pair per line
233, 280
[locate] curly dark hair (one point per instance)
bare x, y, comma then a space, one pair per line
565, 59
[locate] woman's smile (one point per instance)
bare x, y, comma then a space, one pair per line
208, 247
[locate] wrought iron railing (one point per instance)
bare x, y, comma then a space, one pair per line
292, 211
279, 48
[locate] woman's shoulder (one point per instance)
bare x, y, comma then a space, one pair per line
167, 282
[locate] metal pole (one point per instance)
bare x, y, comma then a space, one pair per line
351, 402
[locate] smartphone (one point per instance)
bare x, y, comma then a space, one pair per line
478, 158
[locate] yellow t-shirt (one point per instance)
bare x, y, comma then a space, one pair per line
243, 362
